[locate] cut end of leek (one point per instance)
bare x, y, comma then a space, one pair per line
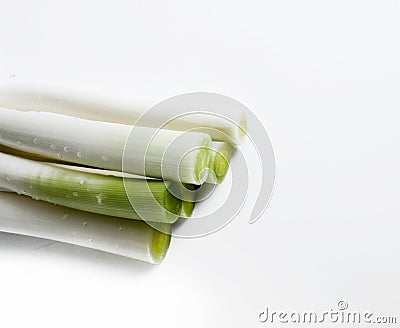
202, 161
189, 201
221, 166
159, 246
243, 126
188, 208
172, 204
221, 154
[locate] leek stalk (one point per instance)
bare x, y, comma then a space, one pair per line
95, 106
220, 156
130, 238
171, 155
90, 192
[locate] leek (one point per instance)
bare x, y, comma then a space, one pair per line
189, 200
186, 192
220, 156
130, 238
34, 157
171, 155
96, 107
90, 192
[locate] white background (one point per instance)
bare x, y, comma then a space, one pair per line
322, 76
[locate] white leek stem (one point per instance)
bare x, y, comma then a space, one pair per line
95, 106
134, 239
171, 155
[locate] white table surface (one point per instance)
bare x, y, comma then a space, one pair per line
322, 76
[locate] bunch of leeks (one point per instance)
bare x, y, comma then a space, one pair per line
92, 180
